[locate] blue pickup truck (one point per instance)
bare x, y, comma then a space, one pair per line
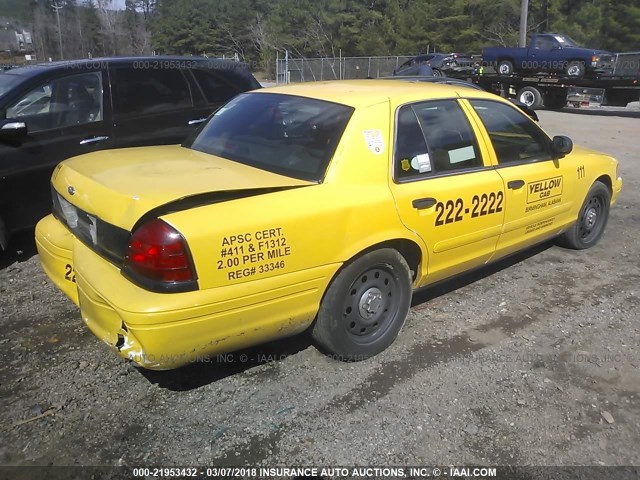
550, 53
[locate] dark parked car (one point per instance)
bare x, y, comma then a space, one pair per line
58, 110
439, 63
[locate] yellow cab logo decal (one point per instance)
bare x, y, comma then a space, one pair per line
543, 193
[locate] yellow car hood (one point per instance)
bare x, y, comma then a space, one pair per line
120, 186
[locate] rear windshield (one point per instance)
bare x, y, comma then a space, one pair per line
7, 82
284, 134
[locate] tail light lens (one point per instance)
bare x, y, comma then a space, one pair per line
158, 259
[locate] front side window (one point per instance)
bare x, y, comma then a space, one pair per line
148, 91
545, 43
515, 138
284, 134
433, 137
63, 102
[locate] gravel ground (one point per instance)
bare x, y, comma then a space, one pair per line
534, 360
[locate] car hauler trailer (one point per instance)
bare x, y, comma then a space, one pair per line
619, 88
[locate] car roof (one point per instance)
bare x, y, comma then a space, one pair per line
427, 79
39, 68
362, 93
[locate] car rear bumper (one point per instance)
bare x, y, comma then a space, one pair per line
163, 331
55, 243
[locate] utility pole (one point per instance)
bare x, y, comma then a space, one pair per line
57, 8
524, 10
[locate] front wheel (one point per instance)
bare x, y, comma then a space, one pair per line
592, 219
575, 69
365, 306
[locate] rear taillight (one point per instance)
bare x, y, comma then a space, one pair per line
158, 259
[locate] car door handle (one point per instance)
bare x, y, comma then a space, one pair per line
88, 141
422, 203
515, 184
196, 121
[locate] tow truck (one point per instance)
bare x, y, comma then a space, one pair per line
548, 90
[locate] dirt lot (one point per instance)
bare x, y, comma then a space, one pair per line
533, 361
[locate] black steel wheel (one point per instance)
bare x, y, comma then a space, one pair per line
365, 306
591, 221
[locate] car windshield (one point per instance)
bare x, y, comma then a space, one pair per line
284, 134
7, 82
565, 41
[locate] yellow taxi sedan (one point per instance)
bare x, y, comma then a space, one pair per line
318, 205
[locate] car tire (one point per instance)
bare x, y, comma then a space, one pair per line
531, 97
438, 73
575, 69
505, 67
592, 219
365, 306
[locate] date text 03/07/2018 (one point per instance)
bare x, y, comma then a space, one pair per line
316, 471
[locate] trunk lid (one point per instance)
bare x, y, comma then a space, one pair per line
121, 186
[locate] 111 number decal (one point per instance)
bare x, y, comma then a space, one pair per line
454, 210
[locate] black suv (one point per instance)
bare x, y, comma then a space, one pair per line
58, 110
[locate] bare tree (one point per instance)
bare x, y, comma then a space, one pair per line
264, 42
109, 21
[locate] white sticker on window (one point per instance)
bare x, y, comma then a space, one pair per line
560, 39
374, 140
461, 154
421, 162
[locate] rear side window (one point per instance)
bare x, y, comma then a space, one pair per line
433, 137
147, 91
214, 88
515, 138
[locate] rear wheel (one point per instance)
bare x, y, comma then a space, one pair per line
592, 219
531, 97
505, 67
365, 306
438, 73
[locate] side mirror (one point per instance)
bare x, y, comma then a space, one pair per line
562, 145
12, 129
